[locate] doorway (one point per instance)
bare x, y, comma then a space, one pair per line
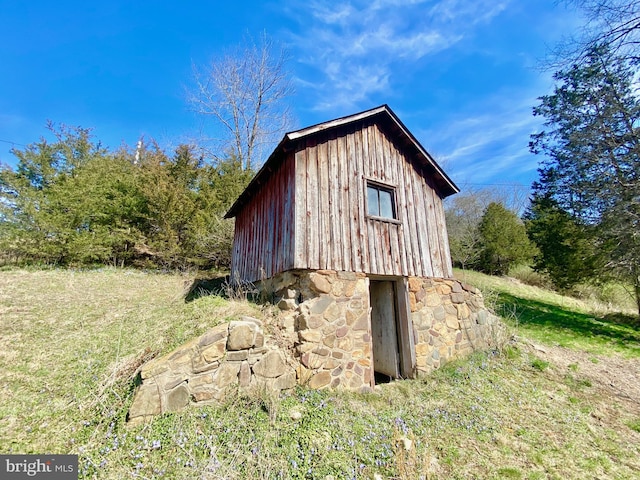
384, 330
392, 341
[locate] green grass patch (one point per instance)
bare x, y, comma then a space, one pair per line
554, 319
540, 365
478, 418
565, 326
634, 424
72, 341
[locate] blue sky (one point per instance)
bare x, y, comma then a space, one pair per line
462, 75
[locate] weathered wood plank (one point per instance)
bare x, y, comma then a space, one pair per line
264, 234
366, 153
441, 228
335, 206
291, 183
372, 238
324, 213
352, 202
301, 210
313, 238
445, 247
374, 248
387, 249
358, 183
373, 153
412, 221
407, 351
422, 226
390, 165
396, 261
432, 230
276, 211
345, 206
286, 226
388, 160
400, 199
380, 154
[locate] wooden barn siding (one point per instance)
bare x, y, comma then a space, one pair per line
333, 230
264, 230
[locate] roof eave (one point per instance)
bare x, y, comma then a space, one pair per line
257, 179
447, 186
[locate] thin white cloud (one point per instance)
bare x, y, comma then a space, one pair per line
354, 49
331, 14
475, 12
351, 84
363, 51
489, 145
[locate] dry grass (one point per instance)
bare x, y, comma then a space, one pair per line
71, 341
68, 336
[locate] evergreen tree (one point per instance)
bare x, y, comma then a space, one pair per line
591, 141
504, 241
186, 201
566, 249
41, 209
70, 202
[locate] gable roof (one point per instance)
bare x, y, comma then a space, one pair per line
382, 114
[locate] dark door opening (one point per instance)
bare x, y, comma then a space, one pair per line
384, 330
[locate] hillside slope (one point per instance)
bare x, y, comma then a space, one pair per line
559, 402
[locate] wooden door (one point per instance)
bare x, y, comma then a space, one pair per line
386, 358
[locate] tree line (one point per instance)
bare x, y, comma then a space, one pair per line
583, 221
71, 202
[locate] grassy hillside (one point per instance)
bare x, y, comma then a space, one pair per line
589, 325
561, 402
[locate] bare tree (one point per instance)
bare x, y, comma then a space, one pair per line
244, 91
463, 214
614, 23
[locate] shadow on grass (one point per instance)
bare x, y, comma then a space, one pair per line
201, 287
223, 287
555, 320
623, 319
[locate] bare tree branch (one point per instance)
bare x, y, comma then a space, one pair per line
244, 93
615, 23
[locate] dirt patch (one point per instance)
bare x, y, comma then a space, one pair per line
611, 376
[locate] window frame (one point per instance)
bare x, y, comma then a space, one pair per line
384, 187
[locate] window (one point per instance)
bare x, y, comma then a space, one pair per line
380, 201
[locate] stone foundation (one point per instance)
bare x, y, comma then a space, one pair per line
449, 321
321, 339
231, 355
327, 314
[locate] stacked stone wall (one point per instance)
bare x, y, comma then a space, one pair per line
321, 338
449, 321
327, 314
230, 356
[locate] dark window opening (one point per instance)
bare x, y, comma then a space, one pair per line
380, 201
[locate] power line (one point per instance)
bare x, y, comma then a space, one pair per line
13, 143
515, 184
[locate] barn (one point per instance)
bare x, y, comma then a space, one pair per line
344, 226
